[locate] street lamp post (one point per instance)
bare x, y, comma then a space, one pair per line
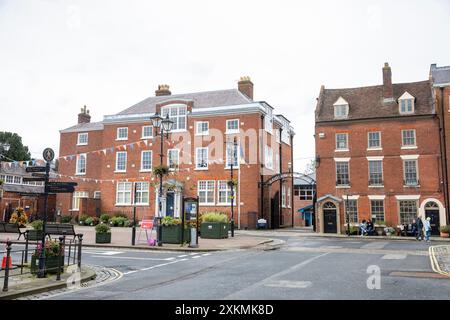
233, 156
163, 127
4, 147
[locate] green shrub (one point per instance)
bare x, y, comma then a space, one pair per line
66, 219
89, 221
102, 228
95, 221
118, 221
120, 215
170, 221
82, 219
128, 223
37, 224
445, 229
214, 217
105, 218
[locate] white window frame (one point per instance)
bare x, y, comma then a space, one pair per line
77, 165
143, 132
406, 98
128, 189
268, 120
416, 161
340, 114
197, 158
380, 147
342, 160
169, 152
288, 204
227, 191
118, 135
198, 124
409, 146
76, 198
97, 194
268, 157
277, 136
142, 161
232, 131
346, 142
176, 118
283, 195
117, 161
208, 184
80, 135
382, 174
140, 192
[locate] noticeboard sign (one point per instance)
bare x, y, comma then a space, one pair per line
191, 208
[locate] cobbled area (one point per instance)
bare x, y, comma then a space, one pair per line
104, 275
442, 254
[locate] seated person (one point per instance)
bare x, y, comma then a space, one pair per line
413, 228
363, 228
370, 228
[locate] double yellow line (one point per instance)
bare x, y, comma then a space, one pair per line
434, 262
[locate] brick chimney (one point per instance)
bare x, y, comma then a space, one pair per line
163, 90
388, 93
84, 116
245, 86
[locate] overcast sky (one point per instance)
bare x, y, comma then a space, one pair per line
56, 56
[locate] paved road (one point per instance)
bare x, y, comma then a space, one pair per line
303, 268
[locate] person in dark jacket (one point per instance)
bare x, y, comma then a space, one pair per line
370, 228
419, 234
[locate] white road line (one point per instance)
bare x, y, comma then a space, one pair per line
129, 272
193, 253
206, 254
134, 258
106, 253
393, 256
289, 284
162, 264
182, 256
194, 257
374, 245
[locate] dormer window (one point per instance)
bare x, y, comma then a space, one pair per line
406, 104
340, 109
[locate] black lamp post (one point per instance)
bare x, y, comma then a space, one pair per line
163, 127
348, 216
4, 147
233, 156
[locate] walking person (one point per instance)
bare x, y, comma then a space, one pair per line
363, 228
419, 234
427, 227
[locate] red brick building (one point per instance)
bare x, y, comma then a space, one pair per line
378, 155
440, 78
112, 160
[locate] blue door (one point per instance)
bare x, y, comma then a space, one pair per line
170, 197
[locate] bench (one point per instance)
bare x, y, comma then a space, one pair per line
11, 228
60, 229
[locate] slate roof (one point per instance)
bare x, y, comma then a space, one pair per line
368, 102
206, 99
91, 126
18, 188
441, 75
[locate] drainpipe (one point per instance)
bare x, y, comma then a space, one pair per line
292, 181
444, 155
260, 168
280, 194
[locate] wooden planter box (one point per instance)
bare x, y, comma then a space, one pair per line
214, 230
172, 234
444, 235
103, 237
51, 264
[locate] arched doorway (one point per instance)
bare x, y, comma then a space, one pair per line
329, 218
432, 211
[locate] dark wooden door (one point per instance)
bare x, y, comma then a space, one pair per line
329, 221
170, 197
275, 211
434, 222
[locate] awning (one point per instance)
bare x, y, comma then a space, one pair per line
307, 208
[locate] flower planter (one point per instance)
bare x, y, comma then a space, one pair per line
214, 230
34, 235
445, 235
103, 237
51, 264
172, 234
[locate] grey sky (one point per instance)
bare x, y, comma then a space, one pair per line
56, 56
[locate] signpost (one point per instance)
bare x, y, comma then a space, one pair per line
35, 169
32, 179
61, 187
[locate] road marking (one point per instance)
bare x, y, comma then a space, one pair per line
374, 245
182, 256
193, 253
271, 278
134, 258
106, 253
358, 251
289, 284
206, 254
162, 264
194, 257
394, 256
331, 247
129, 272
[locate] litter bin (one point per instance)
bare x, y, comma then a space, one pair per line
262, 224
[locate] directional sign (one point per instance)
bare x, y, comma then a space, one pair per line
31, 179
38, 175
60, 189
48, 154
35, 169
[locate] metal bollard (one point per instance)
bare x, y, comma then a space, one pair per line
62, 241
80, 241
8, 256
26, 247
